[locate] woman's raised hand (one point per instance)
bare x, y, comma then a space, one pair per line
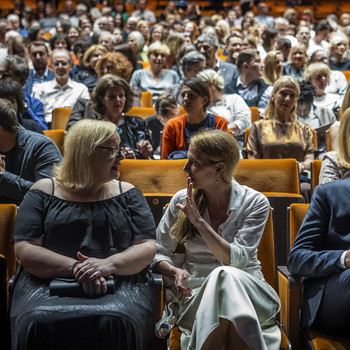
91, 269
145, 148
190, 207
180, 279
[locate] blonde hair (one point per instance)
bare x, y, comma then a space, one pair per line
337, 38
225, 28
75, 171
343, 151
209, 75
316, 69
270, 75
284, 81
90, 51
346, 100
296, 48
217, 146
158, 48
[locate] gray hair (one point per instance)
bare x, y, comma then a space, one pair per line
280, 20
58, 51
140, 40
208, 37
209, 75
12, 16
190, 59
104, 32
17, 64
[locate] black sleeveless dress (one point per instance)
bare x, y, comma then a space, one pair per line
123, 320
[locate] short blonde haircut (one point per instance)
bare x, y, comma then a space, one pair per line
316, 69
282, 82
158, 48
209, 75
217, 146
343, 151
337, 38
75, 171
296, 48
89, 52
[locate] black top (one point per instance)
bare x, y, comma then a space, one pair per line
345, 65
156, 127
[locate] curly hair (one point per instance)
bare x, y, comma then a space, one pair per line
121, 66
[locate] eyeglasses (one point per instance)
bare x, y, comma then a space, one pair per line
115, 151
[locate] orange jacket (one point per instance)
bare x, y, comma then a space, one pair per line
174, 133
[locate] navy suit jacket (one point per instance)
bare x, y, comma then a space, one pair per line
323, 236
28, 87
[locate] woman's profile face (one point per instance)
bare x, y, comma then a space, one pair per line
200, 169
319, 81
114, 101
284, 99
279, 64
192, 102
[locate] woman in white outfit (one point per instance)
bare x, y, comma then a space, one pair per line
219, 296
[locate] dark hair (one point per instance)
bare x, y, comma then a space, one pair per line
33, 33
164, 103
59, 36
246, 56
323, 24
200, 88
17, 65
284, 42
128, 52
9, 89
38, 43
234, 35
110, 80
8, 121
307, 91
81, 44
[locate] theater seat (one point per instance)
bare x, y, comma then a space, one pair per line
57, 136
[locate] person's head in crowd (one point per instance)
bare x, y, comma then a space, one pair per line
143, 27
104, 85
178, 25
39, 55
127, 51
156, 33
114, 63
284, 45
103, 24
8, 121
10, 36
166, 29
346, 32
249, 65
28, 16
344, 19
306, 98
319, 74
263, 9
136, 41
49, 9
157, 54
269, 38
14, 67
131, 24
291, 15
338, 46
292, 29
192, 28
68, 7
210, 31
85, 25
343, 150
283, 101
62, 26
61, 65
60, 41
233, 47
303, 35
81, 10
273, 66
214, 81
184, 49
249, 42
74, 34
281, 24
142, 5
323, 29
216, 17
231, 17
166, 106
192, 63
308, 16
222, 31
19, 47
36, 34
319, 56
207, 45
118, 21
14, 21
107, 40
174, 42
195, 96
118, 36
79, 50
93, 54
12, 91
205, 22
297, 56
120, 7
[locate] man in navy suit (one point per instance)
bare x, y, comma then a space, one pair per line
321, 255
207, 45
39, 55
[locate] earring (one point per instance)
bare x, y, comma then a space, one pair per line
216, 179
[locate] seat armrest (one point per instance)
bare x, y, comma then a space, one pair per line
158, 281
289, 291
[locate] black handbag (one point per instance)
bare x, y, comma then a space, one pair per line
69, 287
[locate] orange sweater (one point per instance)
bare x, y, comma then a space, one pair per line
174, 133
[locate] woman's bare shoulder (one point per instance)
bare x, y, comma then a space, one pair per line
45, 185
